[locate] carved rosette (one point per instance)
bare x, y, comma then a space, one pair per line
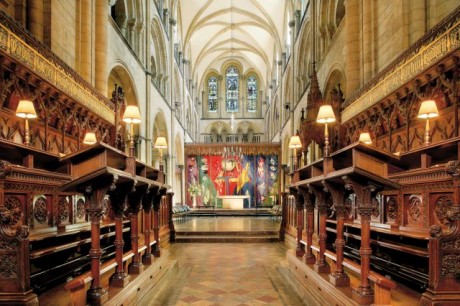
13, 204
40, 210
63, 209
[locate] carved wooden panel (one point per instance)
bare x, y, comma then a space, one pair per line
13, 204
391, 209
41, 208
441, 204
449, 263
415, 211
63, 210
377, 205
348, 203
79, 209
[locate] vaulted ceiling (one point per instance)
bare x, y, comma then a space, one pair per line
250, 31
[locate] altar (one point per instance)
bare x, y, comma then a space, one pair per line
233, 201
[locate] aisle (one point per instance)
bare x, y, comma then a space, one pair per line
228, 274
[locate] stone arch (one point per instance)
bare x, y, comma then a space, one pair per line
336, 76
119, 76
339, 12
332, 95
304, 57
159, 129
159, 54
119, 13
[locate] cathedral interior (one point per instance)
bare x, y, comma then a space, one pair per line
137, 134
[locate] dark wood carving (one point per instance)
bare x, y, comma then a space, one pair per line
444, 285
299, 203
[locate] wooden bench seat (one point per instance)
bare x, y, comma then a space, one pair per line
382, 285
79, 285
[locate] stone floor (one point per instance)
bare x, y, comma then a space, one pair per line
227, 224
228, 274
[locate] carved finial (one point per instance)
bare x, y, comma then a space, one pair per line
435, 231
453, 168
5, 168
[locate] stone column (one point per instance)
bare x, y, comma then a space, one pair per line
364, 294
339, 278
368, 45
86, 45
352, 45
35, 18
101, 74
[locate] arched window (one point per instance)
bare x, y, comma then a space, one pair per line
212, 94
232, 81
252, 94
340, 12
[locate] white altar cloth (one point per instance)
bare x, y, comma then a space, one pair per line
233, 201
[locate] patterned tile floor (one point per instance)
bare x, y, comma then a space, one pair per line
228, 274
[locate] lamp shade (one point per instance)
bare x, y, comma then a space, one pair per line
428, 109
90, 138
26, 109
325, 114
132, 114
161, 143
294, 142
365, 138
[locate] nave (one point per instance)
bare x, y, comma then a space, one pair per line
228, 274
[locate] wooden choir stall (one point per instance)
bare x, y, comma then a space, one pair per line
92, 219
366, 219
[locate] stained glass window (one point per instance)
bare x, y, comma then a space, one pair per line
212, 94
252, 94
232, 81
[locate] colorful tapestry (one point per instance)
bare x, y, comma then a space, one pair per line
209, 176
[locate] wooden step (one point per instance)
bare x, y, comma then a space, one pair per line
226, 238
227, 233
